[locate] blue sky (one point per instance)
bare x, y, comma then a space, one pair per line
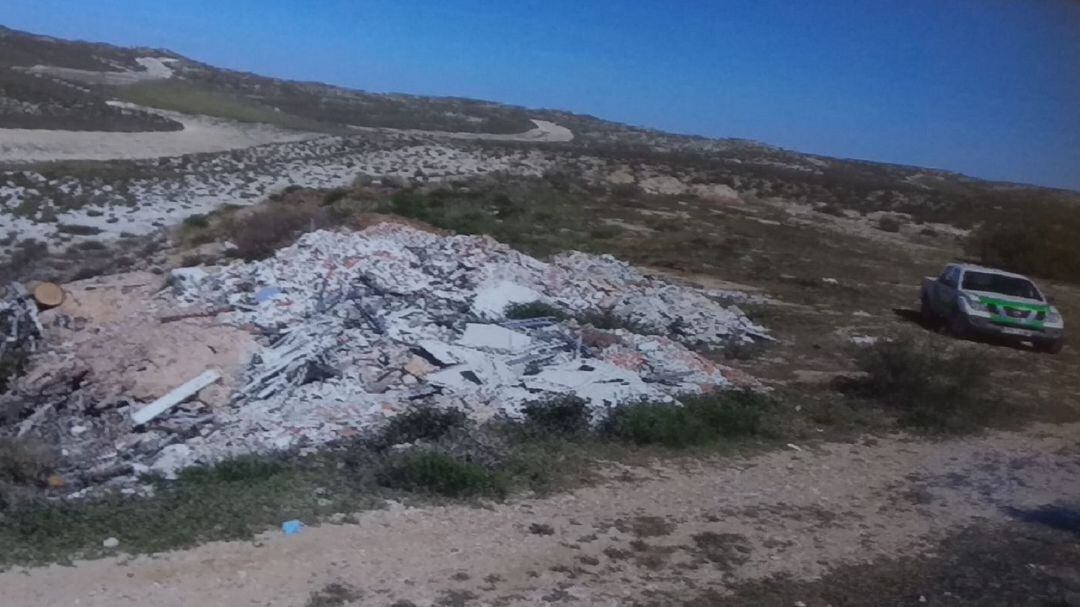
990, 88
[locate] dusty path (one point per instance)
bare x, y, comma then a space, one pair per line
544, 132
656, 535
200, 134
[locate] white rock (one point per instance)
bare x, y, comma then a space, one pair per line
111, 542
172, 459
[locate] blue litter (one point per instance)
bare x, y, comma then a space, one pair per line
267, 294
291, 527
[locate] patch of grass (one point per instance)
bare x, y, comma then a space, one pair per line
334, 594
441, 474
646, 526
725, 550
533, 309
334, 195
13, 363
550, 449
1043, 244
25, 462
78, 230
198, 220
264, 231
241, 469
700, 420
566, 415
609, 321
420, 424
932, 387
888, 223
190, 98
530, 215
235, 503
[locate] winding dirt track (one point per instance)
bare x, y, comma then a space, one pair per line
666, 533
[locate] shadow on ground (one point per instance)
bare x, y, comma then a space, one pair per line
916, 318
1064, 517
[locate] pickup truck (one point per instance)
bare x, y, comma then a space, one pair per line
973, 301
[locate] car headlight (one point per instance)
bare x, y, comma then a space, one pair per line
1053, 317
974, 304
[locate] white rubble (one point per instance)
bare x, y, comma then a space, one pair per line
363, 325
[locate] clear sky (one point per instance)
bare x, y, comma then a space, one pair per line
990, 88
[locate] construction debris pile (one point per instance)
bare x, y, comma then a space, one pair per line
351, 328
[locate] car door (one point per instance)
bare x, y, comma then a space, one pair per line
948, 284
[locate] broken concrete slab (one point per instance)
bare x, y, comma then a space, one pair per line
494, 337
491, 300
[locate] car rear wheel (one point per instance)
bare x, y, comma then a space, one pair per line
927, 312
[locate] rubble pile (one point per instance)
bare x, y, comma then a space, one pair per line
19, 324
347, 329
359, 326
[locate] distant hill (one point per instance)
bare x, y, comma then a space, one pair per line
47, 83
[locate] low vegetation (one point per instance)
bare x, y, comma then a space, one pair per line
423, 454
930, 386
703, 420
1042, 243
534, 309
189, 98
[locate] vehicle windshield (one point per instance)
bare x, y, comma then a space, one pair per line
996, 283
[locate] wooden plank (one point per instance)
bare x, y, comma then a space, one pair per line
175, 397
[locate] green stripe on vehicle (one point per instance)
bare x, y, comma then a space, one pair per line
1001, 303
1024, 323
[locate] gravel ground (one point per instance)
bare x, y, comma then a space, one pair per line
693, 533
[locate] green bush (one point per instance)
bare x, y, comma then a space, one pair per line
699, 420
78, 230
533, 309
932, 387
420, 423
245, 468
25, 462
267, 229
888, 224
608, 321
199, 220
439, 474
334, 195
566, 415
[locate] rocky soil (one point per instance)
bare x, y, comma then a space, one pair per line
668, 534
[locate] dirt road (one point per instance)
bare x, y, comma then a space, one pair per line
660, 535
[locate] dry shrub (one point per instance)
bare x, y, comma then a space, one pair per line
930, 386
267, 229
1039, 240
25, 462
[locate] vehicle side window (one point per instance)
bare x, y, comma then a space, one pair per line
950, 277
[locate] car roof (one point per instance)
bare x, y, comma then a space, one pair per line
971, 266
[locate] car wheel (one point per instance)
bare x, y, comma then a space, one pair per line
1050, 347
927, 312
957, 325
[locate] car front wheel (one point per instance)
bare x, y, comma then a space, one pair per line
1050, 347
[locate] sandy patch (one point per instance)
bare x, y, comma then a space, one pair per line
109, 326
545, 132
200, 134
663, 532
154, 68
